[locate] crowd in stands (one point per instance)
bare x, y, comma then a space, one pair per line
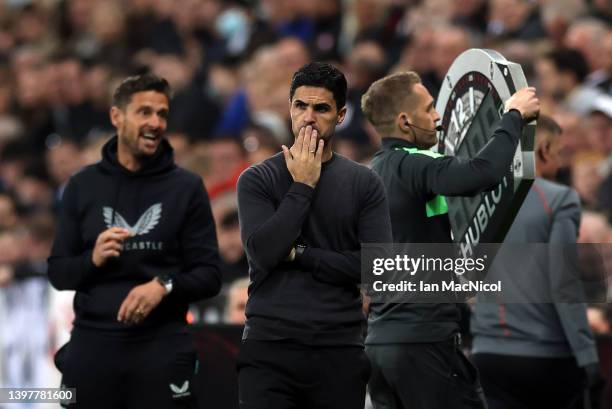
229, 63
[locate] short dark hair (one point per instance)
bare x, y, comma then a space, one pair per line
139, 83
569, 60
547, 131
548, 124
320, 74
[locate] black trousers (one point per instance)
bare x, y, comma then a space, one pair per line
150, 370
515, 382
423, 376
287, 375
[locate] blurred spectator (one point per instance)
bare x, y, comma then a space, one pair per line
263, 100
107, 31
33, 191
235, 305
92, 151
448, 43
586, 36
32, 25
521, 52
233, 259
63, 160
287, 19
599, 124
327, 15
259, 144
8, 212
15, 157
193, 112
223, 81
224, 160
73, 114
517, 19
602, 78
471, 14
95, 80
587, 177
31, 77
560, 75
558, 15
365, 64
599, 319
372, 20
416, 55
181, 144
25, 345
593, 228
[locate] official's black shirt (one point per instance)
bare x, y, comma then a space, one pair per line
413, 180
315, 300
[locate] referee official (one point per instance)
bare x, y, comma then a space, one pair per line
416, 362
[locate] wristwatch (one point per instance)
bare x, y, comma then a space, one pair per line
299, 251
166, 281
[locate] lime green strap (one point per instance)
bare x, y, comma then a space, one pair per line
436, 206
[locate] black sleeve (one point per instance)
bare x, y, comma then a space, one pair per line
70, 263
200, 276
342, 268
450, 176
268, 233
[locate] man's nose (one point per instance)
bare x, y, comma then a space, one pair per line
436, 116
154, 121
309, 116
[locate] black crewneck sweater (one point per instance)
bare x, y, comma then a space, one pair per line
314, 300
167, 210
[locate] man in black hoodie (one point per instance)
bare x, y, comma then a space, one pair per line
136, 240
303, 216
416, 362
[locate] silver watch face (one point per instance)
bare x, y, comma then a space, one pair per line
168, 285
471, 103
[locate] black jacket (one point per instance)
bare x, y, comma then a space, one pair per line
168, 212
415, 180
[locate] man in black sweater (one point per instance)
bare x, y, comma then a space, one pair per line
136, 240
303, 216
415, 360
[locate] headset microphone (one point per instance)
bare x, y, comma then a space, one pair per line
438, 128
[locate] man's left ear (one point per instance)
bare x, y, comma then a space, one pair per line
341, 115
115, 116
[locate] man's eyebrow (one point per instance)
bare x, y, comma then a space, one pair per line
322, 105
152, 108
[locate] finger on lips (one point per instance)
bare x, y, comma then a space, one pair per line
298, 142
305, 147
312, 148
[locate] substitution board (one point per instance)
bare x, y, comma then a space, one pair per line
470, 103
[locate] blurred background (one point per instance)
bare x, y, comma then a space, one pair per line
230, 65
